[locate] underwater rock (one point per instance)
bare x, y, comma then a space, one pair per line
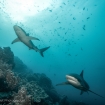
79, 103
11, 79
33, 77
45, 82
20, 67
7, 78
45, 102
8, 83
36, 91
64, 101
21, 98
53, 95
4, 94
6, 55
41, 79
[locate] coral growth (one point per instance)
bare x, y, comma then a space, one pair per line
7, 75
11, 79
21, 98
46, 84
36, 91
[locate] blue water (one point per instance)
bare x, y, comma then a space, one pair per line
75, 32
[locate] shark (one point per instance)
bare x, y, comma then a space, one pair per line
24, 37
78, 82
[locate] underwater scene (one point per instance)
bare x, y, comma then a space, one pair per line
52, 52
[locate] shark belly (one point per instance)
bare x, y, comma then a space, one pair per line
23, 38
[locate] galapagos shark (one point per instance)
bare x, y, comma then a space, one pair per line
78, 82
23, 37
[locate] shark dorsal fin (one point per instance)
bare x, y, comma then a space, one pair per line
81, 74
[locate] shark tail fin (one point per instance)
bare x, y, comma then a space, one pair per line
96, 94
42, 50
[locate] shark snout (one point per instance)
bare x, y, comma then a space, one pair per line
16, 28
68, 77
72, 80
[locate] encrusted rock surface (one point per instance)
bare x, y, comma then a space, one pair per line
36, 91
7, 77
21, 98
20, 67
7, 56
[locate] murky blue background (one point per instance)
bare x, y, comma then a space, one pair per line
75, 30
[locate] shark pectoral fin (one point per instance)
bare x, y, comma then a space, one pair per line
16, 40
64, 83
81, 92
32, 38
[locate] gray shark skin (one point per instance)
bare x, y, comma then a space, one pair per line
23, 37
78, 82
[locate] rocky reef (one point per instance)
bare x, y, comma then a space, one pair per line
7, 56
20, 67
20, 86
7, 77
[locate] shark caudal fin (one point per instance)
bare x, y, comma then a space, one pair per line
96, 94
42, 50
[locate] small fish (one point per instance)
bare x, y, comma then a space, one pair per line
83, 27
69, 54
81, 48
74, 18
50, 10
88, 18
54, 74
84, 8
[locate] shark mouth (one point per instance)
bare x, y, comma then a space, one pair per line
71, 79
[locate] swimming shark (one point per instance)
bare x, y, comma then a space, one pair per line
78, 82
23, 37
